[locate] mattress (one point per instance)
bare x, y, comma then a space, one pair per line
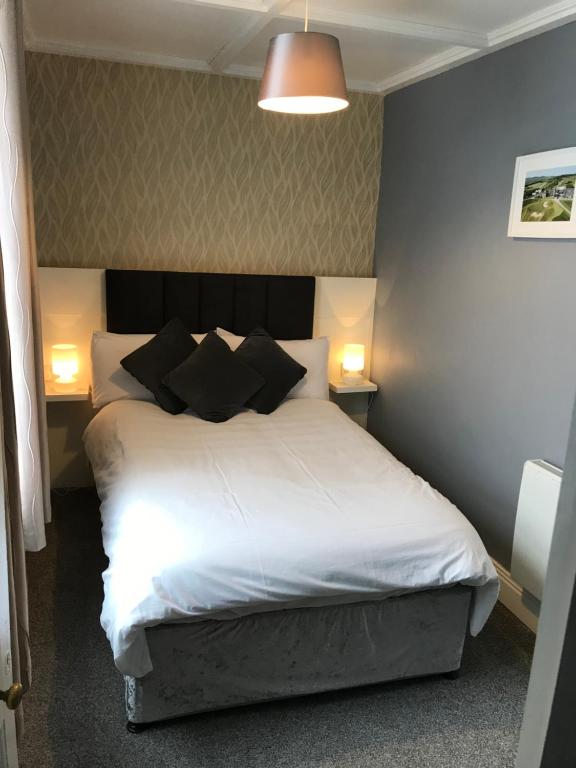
299, 508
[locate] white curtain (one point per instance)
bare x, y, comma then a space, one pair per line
18, 246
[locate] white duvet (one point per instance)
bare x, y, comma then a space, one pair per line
298, 508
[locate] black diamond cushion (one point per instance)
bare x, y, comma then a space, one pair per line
214, 382
280, 371
153, 360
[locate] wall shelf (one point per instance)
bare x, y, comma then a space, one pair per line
52, 396
343, 388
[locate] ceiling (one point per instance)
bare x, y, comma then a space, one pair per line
386, 44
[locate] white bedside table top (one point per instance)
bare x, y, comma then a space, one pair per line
52, 396
343, 388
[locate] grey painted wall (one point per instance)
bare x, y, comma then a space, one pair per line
475, 333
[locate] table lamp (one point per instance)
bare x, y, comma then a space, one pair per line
65, 367
353, 363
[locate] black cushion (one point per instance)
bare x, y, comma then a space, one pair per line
214, 381
153, 360
280, 371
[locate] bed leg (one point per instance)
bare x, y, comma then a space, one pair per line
452, 675
136, 727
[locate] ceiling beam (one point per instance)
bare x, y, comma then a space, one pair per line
228, 53
542, 20
433, 65
123, 56
546, 18
256, 6
412, 29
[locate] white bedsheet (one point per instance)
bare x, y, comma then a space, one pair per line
298, 508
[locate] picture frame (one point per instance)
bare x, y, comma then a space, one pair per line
543, 201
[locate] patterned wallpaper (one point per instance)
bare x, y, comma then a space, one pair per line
153, 168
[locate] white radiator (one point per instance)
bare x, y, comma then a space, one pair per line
535, 518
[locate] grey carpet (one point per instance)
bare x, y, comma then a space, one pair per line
75, 719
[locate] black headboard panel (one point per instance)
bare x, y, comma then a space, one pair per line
142, 302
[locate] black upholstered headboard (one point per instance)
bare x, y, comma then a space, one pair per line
142, 302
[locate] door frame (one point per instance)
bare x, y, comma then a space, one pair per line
8, 748
547, 738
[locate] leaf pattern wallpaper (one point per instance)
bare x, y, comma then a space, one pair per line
148, 168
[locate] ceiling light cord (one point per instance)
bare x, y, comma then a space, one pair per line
306, 18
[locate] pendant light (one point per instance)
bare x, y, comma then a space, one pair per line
303, 74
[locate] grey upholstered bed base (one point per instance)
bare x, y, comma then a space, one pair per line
217, 664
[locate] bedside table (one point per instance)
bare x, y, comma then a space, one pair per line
52, 396
68, 414
354, 399
343, 388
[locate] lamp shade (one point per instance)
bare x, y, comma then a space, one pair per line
353, 360
303, 75
65, 363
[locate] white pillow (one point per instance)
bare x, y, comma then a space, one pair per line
109, 380
311, 353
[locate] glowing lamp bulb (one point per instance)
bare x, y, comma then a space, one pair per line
65, 365
353, 361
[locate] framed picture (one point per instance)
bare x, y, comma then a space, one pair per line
543, 202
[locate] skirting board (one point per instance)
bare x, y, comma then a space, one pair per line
513, 597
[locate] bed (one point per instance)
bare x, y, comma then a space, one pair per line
269, 556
